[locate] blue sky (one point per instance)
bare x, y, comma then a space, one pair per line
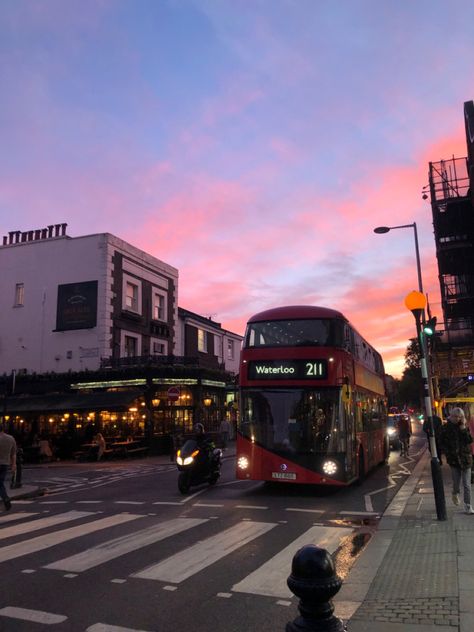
253, 144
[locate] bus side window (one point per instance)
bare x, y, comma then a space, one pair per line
348, 338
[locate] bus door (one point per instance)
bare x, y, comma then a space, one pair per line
347, 410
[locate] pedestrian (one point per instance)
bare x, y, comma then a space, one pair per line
456, 443
471, 430
224, 429
101, 445
7, 458
16, 476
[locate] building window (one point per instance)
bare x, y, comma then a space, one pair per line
230, 349
19, 294
158, 348
131, 346
202, 341
131, 296
159, 306
217, 344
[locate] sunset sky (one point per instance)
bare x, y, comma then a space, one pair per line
252, 144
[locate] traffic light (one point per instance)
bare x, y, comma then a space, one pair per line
430, 326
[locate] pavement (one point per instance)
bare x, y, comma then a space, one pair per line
416, 574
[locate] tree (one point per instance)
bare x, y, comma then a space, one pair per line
410, 388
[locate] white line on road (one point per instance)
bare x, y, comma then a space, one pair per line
206, 505
17, 516
186, 563
103, 627
318, 511
36, 616
43, 523
250, 507
358, 513
270, 578
112, 549
57, 537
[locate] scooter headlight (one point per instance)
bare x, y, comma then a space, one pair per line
188, 460
390, 431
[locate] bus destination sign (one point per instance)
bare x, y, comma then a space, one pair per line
288, 370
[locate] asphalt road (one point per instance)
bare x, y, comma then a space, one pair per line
115, 547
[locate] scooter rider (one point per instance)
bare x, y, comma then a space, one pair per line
203, 441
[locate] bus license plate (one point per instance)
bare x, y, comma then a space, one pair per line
289, 476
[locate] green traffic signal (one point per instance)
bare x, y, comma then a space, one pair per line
430, 326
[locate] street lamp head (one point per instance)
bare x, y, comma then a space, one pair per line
381, 229
415, 301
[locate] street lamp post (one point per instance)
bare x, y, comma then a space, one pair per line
385, 229
416, 302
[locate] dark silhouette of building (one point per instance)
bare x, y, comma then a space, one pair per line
451, 184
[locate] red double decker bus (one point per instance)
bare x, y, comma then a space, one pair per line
312, 399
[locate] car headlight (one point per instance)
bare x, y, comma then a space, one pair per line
390, 431
329, 467
243, 463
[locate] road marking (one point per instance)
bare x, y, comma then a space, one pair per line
129, 502
206, 505
358, 513
58, 537
17, 516
270, 578
112, 549
89, 502
250, 507
193, 559
43, 523
224, 595
166, 503
103, 627
318, 511
36, 616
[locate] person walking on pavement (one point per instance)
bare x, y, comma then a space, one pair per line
225, 432
7, 458
456, 443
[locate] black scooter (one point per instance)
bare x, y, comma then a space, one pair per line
197, 465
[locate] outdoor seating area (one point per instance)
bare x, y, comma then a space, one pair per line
115, 448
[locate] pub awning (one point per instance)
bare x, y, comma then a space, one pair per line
112, 400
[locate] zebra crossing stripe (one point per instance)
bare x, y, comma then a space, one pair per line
126, 544
43, 523
36, 616
18, 515
193, 559
103, 627
270, 579
58, 537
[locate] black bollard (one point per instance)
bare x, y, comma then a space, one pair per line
313, 579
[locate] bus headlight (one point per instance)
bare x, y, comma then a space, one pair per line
243, 463
329, 467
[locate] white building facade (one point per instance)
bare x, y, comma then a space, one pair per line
69, 303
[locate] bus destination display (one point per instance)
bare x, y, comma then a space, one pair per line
287, 370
